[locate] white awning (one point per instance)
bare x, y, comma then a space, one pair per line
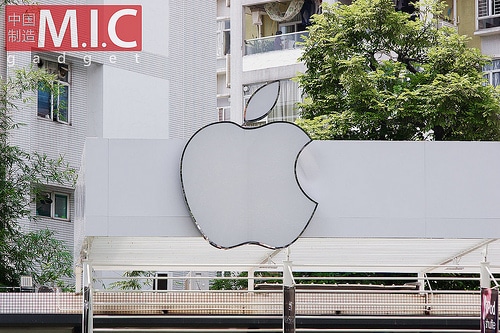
307, 254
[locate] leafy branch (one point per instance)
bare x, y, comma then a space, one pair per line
23, 176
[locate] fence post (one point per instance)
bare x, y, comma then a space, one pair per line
485, 275
87, 311
288, 298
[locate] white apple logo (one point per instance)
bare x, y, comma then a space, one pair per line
240, 183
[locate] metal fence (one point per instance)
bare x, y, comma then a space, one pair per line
40, 303
308, 302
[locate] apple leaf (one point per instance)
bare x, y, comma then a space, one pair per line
262, 102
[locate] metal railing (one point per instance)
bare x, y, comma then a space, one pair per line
288, 41
446, 23
244, 302
48, 303
377, 300
310, 303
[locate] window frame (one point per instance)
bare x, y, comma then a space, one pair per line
55, 67
52, 196
487, 13
167, 281
224, 113
223, 37
56, 116
490, 69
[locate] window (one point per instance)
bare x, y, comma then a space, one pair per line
488, 14
52, 204
50, 106
492, 72
223, 37
163, 281
224, 113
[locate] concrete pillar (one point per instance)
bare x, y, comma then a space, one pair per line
78, 278
251, 280
485, 275
421, 281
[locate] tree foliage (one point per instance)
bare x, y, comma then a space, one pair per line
377, 74
23, 175
238, 283
35, 253
135, 280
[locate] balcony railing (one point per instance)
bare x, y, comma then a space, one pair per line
446, 22
275, 43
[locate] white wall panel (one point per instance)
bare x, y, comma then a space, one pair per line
363, 189
132, 187
135, 105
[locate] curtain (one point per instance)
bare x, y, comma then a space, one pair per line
285, 108
274, 12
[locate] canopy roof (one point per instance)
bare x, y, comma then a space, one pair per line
307, 254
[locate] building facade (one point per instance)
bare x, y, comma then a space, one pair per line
167, 90
247, 55
164, 91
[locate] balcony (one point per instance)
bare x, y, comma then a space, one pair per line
288, 41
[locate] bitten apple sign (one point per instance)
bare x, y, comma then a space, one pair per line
240, 183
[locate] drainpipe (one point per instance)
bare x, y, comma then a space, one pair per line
455, 19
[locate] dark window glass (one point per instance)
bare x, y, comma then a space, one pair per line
61, 206
62, 106
43, 204
44, 101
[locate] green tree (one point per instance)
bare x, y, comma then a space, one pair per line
453, 281
230, 284
376, 74
135, 280
42, 256
22, 177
